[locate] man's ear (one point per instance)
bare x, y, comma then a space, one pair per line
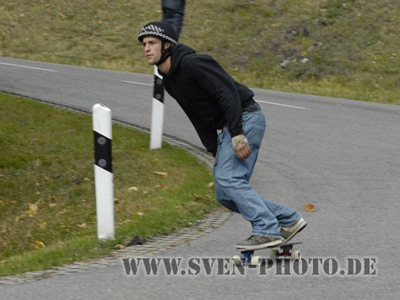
167, 45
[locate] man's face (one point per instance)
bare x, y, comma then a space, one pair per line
152, 49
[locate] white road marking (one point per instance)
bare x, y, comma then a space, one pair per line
138, 83
260, 101
279, 104
27, 67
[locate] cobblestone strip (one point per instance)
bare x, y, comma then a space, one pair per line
153, 246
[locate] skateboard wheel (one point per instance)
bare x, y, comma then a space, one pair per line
273, 254
296, 255
237, 260
255, 260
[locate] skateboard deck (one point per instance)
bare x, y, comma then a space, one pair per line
247, 255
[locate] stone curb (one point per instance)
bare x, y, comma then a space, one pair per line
154, 246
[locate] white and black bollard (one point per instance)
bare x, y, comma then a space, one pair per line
157, 115
104, 186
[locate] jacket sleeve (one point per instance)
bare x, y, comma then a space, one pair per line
208, 135
220, 85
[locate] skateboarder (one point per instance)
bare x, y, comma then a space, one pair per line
214, 101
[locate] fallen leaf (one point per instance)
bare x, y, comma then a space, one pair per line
119, 247
133, 189
309, 207
139, 214
43, 225
33, 209
18, 218
125, 222
86, 179
162, 186
162, 174
83, 225
202, 197
211, 185
39, 244
61, 212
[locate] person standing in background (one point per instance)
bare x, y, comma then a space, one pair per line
173, 13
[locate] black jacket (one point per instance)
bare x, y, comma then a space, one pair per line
207, 94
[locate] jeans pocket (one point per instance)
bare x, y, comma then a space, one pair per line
254, 131
219, 144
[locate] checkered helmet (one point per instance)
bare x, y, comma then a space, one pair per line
161, 30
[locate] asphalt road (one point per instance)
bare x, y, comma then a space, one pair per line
343, 156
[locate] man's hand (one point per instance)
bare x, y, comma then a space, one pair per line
241, 146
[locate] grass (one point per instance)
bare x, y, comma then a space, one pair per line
338, 48
47, 203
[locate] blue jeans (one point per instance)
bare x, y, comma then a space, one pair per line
173, 13
232, 181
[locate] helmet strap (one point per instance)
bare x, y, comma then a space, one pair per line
165, 53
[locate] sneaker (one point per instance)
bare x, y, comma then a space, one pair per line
258, 242
288, 233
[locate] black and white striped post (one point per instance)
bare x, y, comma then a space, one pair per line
157, 115
102, 129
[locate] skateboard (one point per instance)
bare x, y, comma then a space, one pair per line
248, 257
